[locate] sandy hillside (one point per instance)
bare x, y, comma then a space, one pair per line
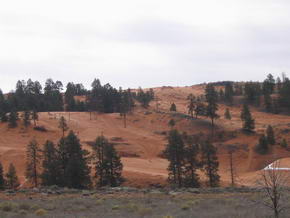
141, 143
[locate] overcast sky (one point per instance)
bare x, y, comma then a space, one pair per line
132, 43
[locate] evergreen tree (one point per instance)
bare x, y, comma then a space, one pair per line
278, 84
212, 106
191, 165
52, 95
33, 163
171, 123
34, 116
210, 163
191, 106
12, 119
62, 157
173, 107
228, 114
108, 166
51, 174
253, 92
63, 125
11, 177
145, 97
268, 102
229, 93
26, 118
284, 143
3, 108
77, 171
3, 116
126, 105
200, 109
174, 153
248, 121
263, 146
270, 135
2, 179
98, 156
221, 96
113, 167
269, 85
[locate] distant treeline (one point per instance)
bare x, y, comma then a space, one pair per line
271, 94
31, 96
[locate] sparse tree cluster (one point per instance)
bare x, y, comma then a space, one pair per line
186, 155
145, 97
67, 164
266, 141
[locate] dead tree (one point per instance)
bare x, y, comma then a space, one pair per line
232, 166
273, 181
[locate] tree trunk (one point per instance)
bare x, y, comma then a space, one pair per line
125, 120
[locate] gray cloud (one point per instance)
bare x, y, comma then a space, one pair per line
153, 45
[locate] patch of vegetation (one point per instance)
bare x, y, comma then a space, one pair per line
40, 128
40, 212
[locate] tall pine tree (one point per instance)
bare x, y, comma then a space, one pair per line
174, 153
63, 125
270, 135
11, 177
51, 173
212, 106
33, 158
2, 179
77, 171
248, 121
210, 163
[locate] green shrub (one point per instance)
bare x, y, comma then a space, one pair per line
8, 206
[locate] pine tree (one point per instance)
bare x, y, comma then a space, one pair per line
212, 106
26, 118
3, 116
174, 153
210, 163
284, 143
2, 179
77, 171
229, 93
171, 123
113, 167
51, 174
63, 125
200, 109
33, 162
248, 121
3, 108
34, 115
191, 165
221, 95
11, 177
62, 157
191, 106
108, 166
173, 107
98, 156
228, 114
268, 103
270, 135
12, 119
263, 146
